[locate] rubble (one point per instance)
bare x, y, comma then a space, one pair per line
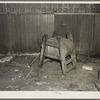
10, 87
5, 59
16, 70
44, 77
91, 67
32, 54
19, 76
88, 67
40, 83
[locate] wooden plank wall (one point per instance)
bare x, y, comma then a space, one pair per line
97, 35
82, 29
23, 32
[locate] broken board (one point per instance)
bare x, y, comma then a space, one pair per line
97, 84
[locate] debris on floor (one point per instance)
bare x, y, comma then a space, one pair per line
5, 59
16, 70
91, 66
40, 83
84, 58
97, 84
49, 78
88, 67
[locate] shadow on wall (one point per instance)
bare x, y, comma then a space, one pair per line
3, 49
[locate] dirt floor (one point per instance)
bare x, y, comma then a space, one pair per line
19, 76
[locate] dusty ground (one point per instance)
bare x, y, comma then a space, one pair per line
49, 78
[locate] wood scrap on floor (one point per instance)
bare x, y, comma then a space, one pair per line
22, 60
97, 83
32, 66
5, 59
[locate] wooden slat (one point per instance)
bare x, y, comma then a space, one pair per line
52, 56
68, 61
52, 44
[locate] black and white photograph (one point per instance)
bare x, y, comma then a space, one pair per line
50, 47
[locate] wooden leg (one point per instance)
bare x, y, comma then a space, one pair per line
73, 57
72, 61
62, 55
63, 67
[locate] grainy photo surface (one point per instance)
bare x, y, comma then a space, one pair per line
49, 47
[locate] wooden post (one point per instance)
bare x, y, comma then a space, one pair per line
42, 53
99, 76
